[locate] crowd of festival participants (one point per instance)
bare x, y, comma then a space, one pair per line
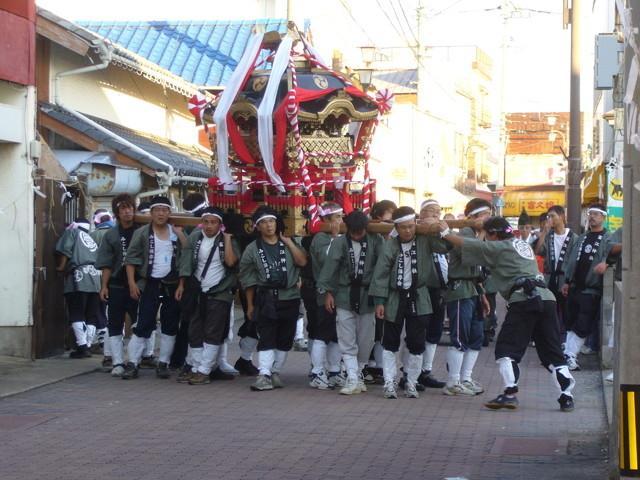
375, 306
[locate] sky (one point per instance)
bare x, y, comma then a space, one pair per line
536, 74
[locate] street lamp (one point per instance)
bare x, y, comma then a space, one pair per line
368, 54
365, 75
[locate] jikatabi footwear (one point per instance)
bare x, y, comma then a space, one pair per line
148, 362
81, 352
162, 371
218, 374
107, 364
117, 370
319, 381
572, 363
276, 381
390, 390
130, 371
263, 382
427, 380
403, 381
198, 378
185, 374
457, 389
245, 367
410, 390
503, 401
566, 403
474, 386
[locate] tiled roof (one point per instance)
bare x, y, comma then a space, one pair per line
185, 159
201, 52
399, 81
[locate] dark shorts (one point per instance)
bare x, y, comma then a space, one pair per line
276, 332
157, 295
436, 319
584, 312
211, 323
119, 304
325, 328
83, 307
466, 324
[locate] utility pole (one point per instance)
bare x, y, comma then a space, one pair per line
627, 386
574, 170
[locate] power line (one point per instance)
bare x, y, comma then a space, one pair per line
415, 39
348, 9
399, 32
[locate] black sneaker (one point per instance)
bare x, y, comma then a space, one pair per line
429, 381
502, 401
245, 367
81, 352
403, 381
148, 362
566, 403
218, 374
162, 370
130, 371
107, 364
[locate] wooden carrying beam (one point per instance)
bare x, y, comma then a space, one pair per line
178, 219
421, 229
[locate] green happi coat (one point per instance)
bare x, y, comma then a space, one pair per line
252, 273
508, 260
383, 285
189, 264
593, 281
81, 251
463, 279
318, 251
335, 276
545, 251
138, 254
110, 255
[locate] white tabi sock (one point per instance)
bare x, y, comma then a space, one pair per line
80, 332
470, 357
334, 356
117, 349
150, 345
413, 368
207, 358
167, 343
562, 379
299, 329
247, 347
103, 338
196, 358
280, 356
428, 356
573, 344
377, 354
310, 347
91, 335
454, 364
351, 364
318, 356
389, 368
136, 348
223, 363
507, 372
265, 361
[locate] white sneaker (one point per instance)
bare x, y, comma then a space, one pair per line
410, 390
457, 389
390, 390
337, 380
351, 387
361, 385
319, 381
572, 363
117, 371
474, 386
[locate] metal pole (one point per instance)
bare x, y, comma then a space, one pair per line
627, 385
574, 174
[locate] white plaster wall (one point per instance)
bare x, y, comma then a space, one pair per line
16, 213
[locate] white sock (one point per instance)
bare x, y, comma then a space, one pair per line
454, 364
135, 348
91, 335
389, 368
377, 354
428, 356
207, 359
470, 357
334, 356
80, 332
247, 347
117, 349
413, 368
196, 358
318, 356
351, 364
573, 344
505, 366
103, 338
299, 329
167, 342
150, 345
224, 365
265, 361
280, 356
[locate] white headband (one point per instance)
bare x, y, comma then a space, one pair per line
202, 205
98, 216
159, 205
144, 210
597, 210
211, 214
329, 211
427, 203
264, 217
406, 218
479, 210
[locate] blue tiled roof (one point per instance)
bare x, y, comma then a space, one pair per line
201, 52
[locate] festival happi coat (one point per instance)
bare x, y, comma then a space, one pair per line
291, 133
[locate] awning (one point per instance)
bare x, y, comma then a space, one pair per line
593, 185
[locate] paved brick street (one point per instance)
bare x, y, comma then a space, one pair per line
97, 427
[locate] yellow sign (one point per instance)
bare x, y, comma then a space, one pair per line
535, 203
